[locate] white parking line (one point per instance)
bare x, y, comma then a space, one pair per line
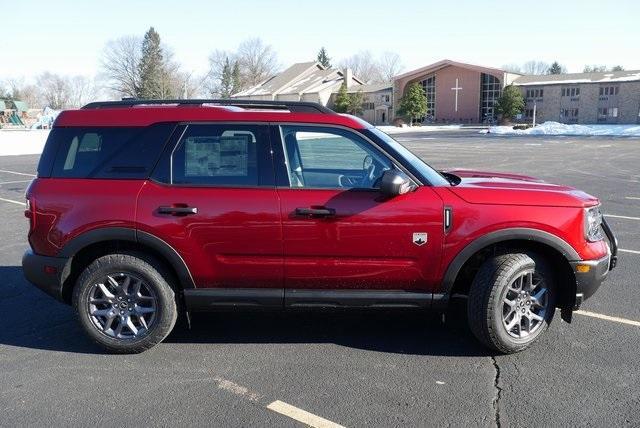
301, 415
633, 198
622, 216
622, 250
13, 202
17, 173
14, 182
608, 318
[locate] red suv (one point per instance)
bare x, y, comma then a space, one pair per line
144, 209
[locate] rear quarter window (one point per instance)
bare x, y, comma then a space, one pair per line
104, 152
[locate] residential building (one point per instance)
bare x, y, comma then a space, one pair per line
377, 107
311, 81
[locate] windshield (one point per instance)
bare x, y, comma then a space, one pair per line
433, 176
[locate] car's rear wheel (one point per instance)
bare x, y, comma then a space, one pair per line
511, 301
124, 302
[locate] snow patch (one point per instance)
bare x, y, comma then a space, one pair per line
22, 141
555, 128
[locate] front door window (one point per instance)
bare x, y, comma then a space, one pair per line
331, 158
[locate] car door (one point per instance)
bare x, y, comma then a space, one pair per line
212, 198
339, 231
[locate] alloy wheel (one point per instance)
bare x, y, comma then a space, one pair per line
122, 306
525, 304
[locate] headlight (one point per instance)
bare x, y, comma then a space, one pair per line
592, 224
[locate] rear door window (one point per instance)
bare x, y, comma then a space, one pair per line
230, 155
117, 152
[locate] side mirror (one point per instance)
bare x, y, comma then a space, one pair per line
394, 183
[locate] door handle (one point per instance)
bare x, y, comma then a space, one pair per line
316, 212
178, 211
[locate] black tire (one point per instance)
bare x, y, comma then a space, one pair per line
154, 278
486, 308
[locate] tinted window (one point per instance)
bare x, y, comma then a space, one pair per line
117, 152
332, 158
219, 155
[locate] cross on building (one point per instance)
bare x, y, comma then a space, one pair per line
457, 89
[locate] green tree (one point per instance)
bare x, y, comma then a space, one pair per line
356, 99
617, 68
151, 68
323, 58
556, 68
342, 102
510, 103
414, 103
226, 81
236, 82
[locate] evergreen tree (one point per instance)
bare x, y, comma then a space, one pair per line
323, 58
356, 99
617, 68
151, 69
342, 103
510, 102
556, 68
236, 84
414, 103
226, 81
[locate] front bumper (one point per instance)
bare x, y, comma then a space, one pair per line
44, 272
589, 280
587, 283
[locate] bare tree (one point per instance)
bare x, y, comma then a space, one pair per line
513, 68
82, 90
120, 65
364, 67
55, 89
257, 61
17, 89
390, 65
535, 67
213, 79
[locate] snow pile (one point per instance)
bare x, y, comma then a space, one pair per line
555, 128
22, 142
410, 129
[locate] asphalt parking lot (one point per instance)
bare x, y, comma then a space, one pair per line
354, 369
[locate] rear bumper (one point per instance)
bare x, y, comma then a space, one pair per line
44, 272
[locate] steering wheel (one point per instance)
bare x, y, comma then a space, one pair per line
368, 171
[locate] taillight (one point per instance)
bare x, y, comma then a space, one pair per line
30, 213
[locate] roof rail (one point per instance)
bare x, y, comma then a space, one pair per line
292, 106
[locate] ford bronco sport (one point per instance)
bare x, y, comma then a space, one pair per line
144, 209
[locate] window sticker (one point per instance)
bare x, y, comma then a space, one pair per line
216, 156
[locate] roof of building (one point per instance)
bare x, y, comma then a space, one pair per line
280, 80
572, 78
372, 87
303, 77
446, 63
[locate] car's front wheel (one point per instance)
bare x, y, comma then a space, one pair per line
511, 301
124, 302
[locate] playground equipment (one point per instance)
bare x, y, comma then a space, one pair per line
12, 112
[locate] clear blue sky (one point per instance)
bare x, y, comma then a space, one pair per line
68, 36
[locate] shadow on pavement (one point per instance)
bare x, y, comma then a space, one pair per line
34, 320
